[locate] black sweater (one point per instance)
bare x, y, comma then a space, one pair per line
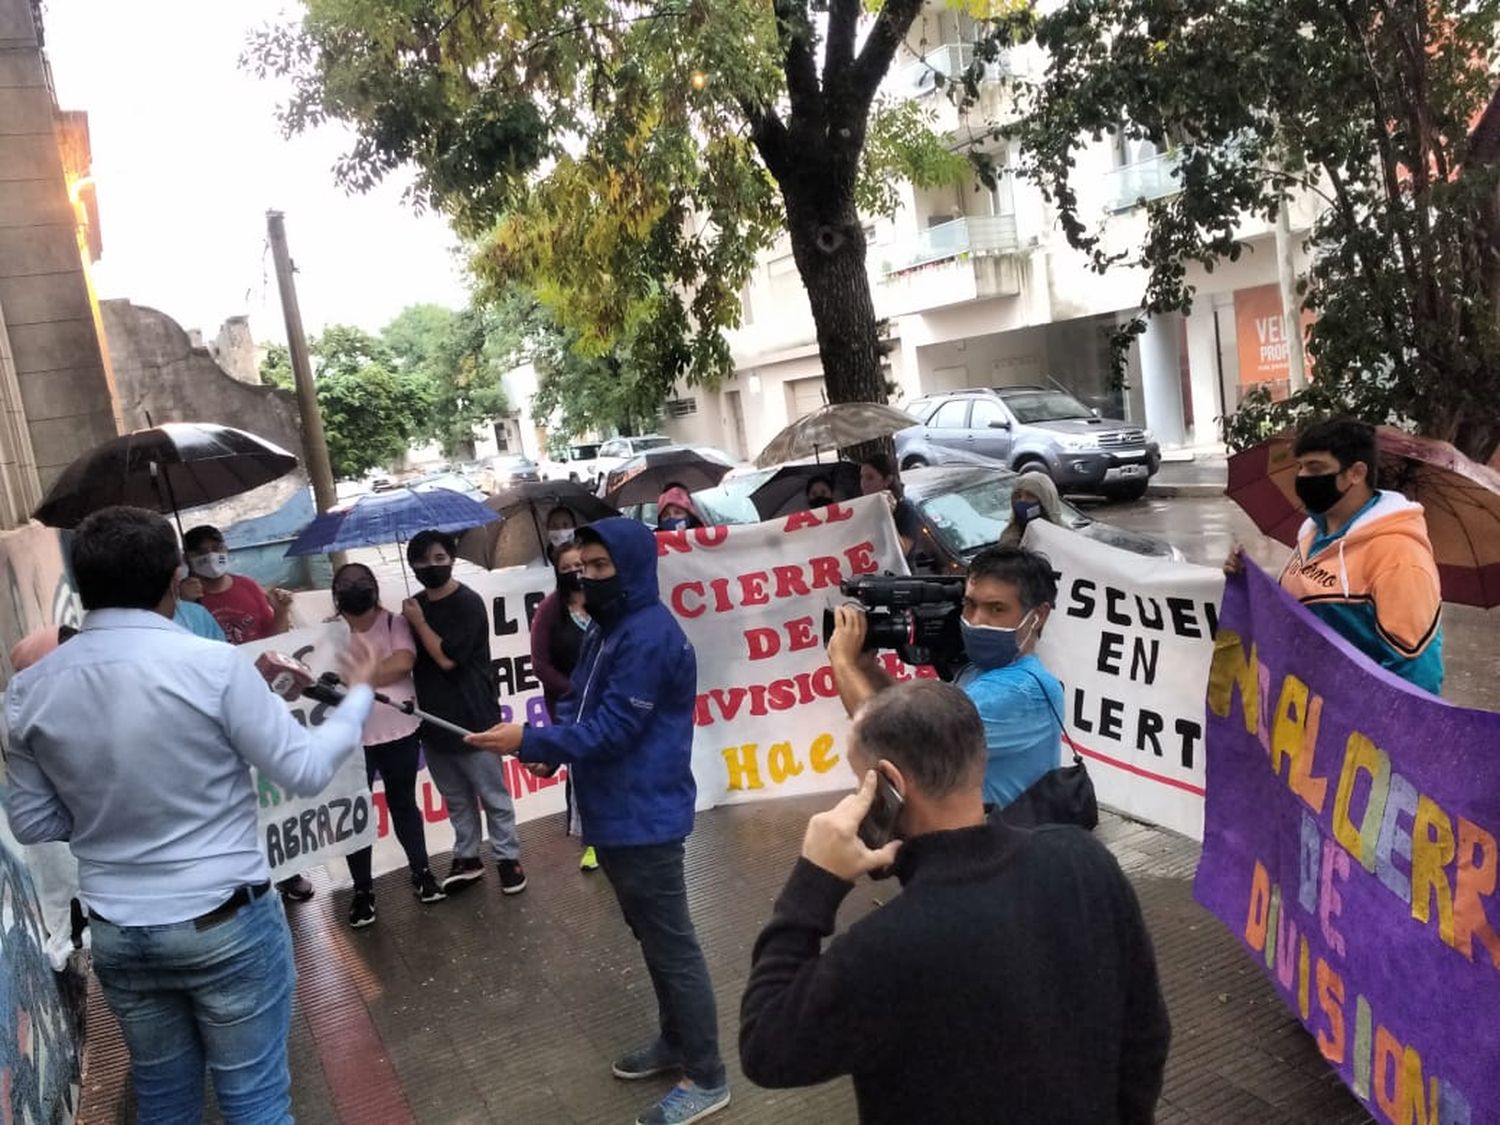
1012, 980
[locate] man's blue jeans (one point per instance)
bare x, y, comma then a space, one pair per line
651, 888
221, 995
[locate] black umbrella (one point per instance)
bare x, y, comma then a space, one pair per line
520, 535
786, 492
647, 475
167, 468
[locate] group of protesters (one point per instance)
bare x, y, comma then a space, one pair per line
1013, 977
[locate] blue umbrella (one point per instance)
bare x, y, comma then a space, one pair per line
390, 517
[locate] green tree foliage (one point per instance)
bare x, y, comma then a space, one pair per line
371, 409
433, 374
1366, 103
625, 162
276, 368
460, 358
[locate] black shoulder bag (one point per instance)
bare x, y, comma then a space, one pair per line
1064, 795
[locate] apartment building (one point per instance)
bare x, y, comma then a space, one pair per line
980, 288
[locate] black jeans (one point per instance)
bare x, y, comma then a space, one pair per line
396, 763
650, 886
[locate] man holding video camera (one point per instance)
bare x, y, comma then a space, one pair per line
1007, 595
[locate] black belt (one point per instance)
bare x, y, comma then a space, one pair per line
242, 896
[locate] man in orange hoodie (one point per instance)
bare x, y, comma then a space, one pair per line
1363, 562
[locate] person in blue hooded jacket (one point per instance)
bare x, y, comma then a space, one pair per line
626, 735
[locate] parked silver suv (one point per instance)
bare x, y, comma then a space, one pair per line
1032, 428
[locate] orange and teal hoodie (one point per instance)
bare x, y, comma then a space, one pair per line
1376, 584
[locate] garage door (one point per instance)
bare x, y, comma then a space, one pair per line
807, 396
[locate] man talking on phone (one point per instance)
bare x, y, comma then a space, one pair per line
1011, 980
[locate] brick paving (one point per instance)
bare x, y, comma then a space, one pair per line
493, 1009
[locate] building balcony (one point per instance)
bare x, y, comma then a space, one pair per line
1133, 184
966, 259
979, 236
918, 78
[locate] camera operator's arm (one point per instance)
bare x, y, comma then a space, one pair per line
855, 671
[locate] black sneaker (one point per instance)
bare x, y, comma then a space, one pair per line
425, 887
462, 874
362, 910
296, 889
512, 877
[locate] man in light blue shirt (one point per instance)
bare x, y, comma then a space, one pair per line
1008, 595
134, 743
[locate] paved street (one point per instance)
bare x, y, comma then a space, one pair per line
485, 1009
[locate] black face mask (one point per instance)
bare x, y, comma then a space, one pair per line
604, 599
354, 600
433, 577
1319, 493
569, 582
820, 501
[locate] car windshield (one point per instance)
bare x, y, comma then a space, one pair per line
971, 518
583, 452
641, 443
513, 462
450, 481
1045, 406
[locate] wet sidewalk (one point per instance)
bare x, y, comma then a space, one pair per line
492, 1009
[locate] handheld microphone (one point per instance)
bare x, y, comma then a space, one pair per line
293, 680
331, 681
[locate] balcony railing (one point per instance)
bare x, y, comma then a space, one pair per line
977, 236
1149, 179
950, 60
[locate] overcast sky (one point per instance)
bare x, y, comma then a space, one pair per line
188, 158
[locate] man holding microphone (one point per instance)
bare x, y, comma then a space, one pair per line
134, 743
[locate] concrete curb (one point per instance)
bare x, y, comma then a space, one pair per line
1192, 491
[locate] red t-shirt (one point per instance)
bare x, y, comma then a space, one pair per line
243, 611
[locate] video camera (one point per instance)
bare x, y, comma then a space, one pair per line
917, 617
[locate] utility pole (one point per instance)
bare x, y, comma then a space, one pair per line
319, 468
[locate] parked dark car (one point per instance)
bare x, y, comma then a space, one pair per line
965, 508
1032, 428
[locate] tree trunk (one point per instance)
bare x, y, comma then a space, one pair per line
828, 245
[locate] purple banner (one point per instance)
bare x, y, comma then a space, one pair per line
1350, 841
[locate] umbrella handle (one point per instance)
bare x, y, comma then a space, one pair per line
159, 478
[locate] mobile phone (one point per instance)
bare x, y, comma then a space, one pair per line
879, 824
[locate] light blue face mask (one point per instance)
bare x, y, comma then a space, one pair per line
991, 646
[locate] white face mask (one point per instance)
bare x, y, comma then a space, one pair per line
561, 536
182, 573
214, 565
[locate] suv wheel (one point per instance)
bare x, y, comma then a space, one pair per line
914, 462
1033, 465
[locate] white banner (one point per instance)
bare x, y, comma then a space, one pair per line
302, 832
1132, 639
751, 599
